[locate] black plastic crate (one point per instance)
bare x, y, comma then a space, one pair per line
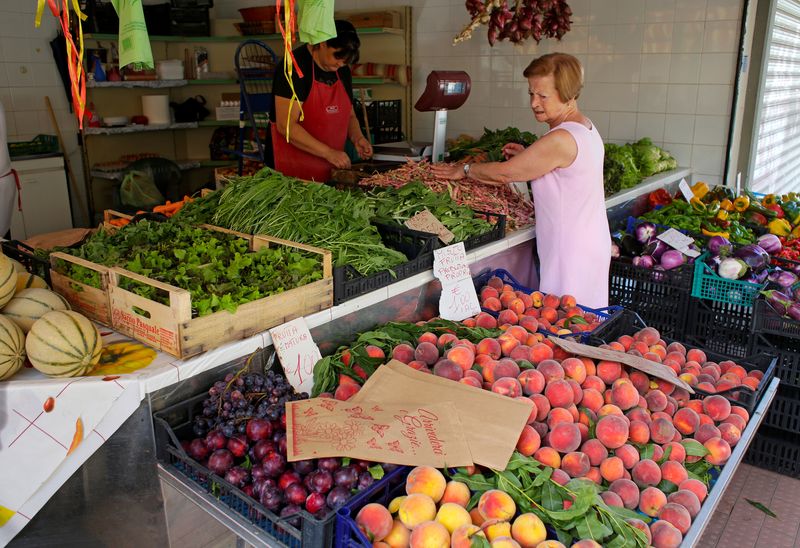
415, 245
766, 320
498, 231
719, 327
25, 254
787, 350
784, 413
385, 120
628, 322
661, 298
190, 21
175, 422
774, 450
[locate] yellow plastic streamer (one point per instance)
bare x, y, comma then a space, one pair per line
287, 29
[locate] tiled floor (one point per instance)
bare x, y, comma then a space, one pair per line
738, 524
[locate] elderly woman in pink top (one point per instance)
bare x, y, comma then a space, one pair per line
565, 168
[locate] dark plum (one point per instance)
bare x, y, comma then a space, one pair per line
257, 472
315, 502
365, 479
220, 461
304, 467
271, 498
389, 467
185, 445
322, 513
280, 443
329, 464
319, 482
363, 464
273, 464
337, 497
290, 510
198, 449
287, 478
261, 449
260, 484
258, 429
237, 476
237, 445
248, 489
215, 440
347, 476
296, 494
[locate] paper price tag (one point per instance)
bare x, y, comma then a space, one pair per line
686, 190
459, 299
297, 352
425, 221
680, 241
450, 263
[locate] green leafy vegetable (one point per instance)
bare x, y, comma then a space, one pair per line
490, 143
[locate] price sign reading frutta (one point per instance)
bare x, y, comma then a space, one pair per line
297, 352
459, 299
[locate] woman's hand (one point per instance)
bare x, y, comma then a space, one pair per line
363, 147
453, 172
338, 159
512, 149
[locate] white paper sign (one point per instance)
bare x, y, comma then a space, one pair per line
297, 352
686, 190
459, 299
678, 240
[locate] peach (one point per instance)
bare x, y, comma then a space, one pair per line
595, 383
529, 441
646, 473
565, 437
548, 456
641, 526
542, 406
529, 323
531, 406
612, 499
541, 353
492, 303
730, 433
507, 317
735, 420
594, 475
586, 543
677, 515
415, 509
559, 393
677, 452
517, 306
405, 353
576, 464
489, 291
496, 504
687, 499
550, 544
462, 536
504, 542
584, 430
662, 430
490, 347
695, 486
462, 355
658, 453
656, 400
507, 386
686, 421
706, 432
719, 451
665, 535
477, 518
486, 321
609, 371
595, 450
399, 536
560, 477
574, 369
651, 501
521, 353
648, 335
696, 355
448, 369
717, 407
548, 313
375, 352
430, 534
674, 472
453, 516
612, 469
611, 409
639, 432
639, 414
532, 382
508, 343
427, 481
551, 370
471, 381
628, 454
612, 431
375, 521
528, 530
506, 368
640, 381
577, 391
624, 395
394, 504
627, 491
457, 493
741, 411
488, 370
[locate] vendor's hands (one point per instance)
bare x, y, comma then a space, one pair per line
512, 149
338, 159
363, 147
452, 172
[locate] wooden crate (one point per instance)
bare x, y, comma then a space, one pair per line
90, 301
172, 329
111, 215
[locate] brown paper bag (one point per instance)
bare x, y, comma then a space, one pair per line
429, 435
62, 238
492, 423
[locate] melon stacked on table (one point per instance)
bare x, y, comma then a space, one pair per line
37, 324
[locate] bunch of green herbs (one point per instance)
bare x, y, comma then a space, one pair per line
491, 144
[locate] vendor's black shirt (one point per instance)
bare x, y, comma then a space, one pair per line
302, 86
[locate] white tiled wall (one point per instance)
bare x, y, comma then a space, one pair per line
28, 74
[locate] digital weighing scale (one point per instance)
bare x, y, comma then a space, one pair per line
445, 90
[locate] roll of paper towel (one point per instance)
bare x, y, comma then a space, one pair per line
156, 108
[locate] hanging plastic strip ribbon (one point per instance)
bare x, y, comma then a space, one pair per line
287, 29
77, 76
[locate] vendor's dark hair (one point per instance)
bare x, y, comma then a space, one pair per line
346, 42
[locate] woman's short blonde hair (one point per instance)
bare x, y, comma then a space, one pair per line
566, 70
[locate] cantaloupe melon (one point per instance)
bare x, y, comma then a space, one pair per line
8, 279
29, 305
18, 266
12, 348
26, 280
63, 343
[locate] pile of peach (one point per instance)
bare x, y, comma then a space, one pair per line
434, 514
533, 311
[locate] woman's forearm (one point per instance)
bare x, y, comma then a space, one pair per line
303, 140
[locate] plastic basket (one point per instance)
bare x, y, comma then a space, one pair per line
721, 327
174, 422
787, 350
766, 320
385, 120
498, 231
775, 450
417, 246
26, 255
628, 323
41, 144
784, 413
708, 285
661, 298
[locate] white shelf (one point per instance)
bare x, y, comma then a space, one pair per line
136, 129
155, 84
655, 182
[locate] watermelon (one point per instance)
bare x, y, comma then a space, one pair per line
63, 343
29, 305
12, 348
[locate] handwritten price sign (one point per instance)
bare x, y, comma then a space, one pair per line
297, 352
458, 300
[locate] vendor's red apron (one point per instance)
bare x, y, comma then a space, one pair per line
326, 117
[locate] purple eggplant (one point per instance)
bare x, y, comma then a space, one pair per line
719, 246
645, 261
644, 232
732, 269
783, 278
614, 251
754, 256
655, 248
780, 302
658, 273
794, 311
672, 259
770, 243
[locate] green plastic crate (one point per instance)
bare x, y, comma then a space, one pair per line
708, 285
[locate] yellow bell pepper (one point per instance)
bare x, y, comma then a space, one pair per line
779, 227
722, 215
723, 234
726, 204
796, 232
699, 189
741, 203
769, 199
697, 205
